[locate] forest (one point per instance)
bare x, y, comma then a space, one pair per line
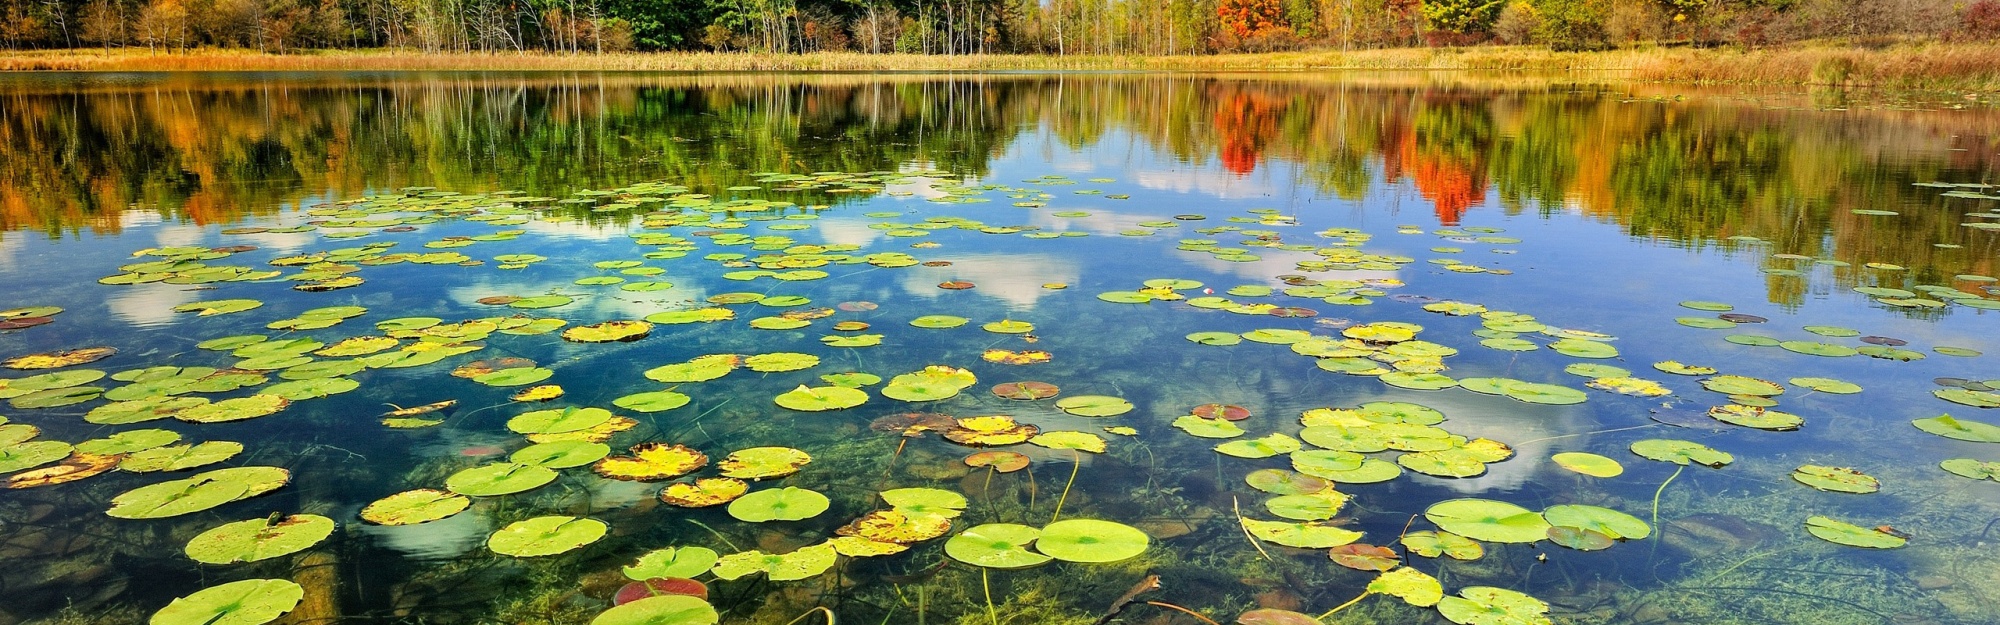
951, 27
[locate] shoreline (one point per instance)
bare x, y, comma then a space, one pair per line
1923, 65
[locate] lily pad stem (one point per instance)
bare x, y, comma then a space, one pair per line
1076, 464
1656, 498
991, 617
718, 535
830, 620
1237, 506
1192, 613
1349, 604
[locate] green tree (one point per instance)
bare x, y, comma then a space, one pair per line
1462, 16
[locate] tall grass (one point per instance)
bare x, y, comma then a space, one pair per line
1911, 64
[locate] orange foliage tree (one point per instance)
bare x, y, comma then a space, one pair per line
1250, 18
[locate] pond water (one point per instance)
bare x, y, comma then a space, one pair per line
1737, 313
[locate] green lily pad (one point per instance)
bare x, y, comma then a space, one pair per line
545, 536
1301, 535
259, 539
1547, 394
246, 602
1215, 338
518, 376
1827, 385
1091, 541
1844, 533
1976, 399
561, 454
1836, 479
1707, 306
542, 301
1705, 323
1812, 348
1742, 385
815, 399
939, 322
1433, 544
1749, 416
1582, 348
1949, 427
1094, 405
180, 457
757, 463
1208, 428
661, 610
1970, 468
1444, 463
128, 442
1488, 520
779, 504
996, 546
1594, 370
1588, 464
851, 379
412, 507
1680, 452
682, 562
1612, 523
558, 420
1418, 381
1313, 507
654, 401
56, 397
1282, 482
1274, 444
31, 454
197, 493
1125, 297
780, 362
218, 307
500, 478
804, 563
1355, 439
1486, 605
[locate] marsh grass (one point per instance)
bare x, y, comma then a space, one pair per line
1907, 64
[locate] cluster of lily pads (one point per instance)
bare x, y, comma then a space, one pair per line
1333, 446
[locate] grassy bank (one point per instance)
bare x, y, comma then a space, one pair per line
1905, 65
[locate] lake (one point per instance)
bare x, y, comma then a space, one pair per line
630, 348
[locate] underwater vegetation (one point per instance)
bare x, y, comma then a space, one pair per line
945, 398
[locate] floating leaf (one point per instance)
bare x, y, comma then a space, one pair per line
180, 457
1976, 399
897, 527
503, 478
704, 492
1836, 479
246, 602
1680, 452
561, 454
655, 401
558, 420
778, 504
1091, 541
758, 463
259, 539
1949, 427
1318, 506
1827, 385
65, 358
779, 362
1431, 544
1369, 558
1272, 445
1080, 441
608, 332
1301, 535
996, 545
939, 322
518, 376
652, 462
1412, 586
801, 564
682, 562
1282, 482
1843, 533
665, 609
73, 468
1026, 390
1588, 464
1485, 605
197, 493
1488, 520
412, 507
1756, 417
1208, 428
545, 536
1606, 521
1740, 385
1975, 469
31, 454
816, 399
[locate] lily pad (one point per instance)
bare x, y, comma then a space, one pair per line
1588, 464
412, 507
1094, 405
561, 454
1301, 535
804, 563
779, 504
1950, 427
758, 463
1091, 541
545, 536
1612, 523
996, 545
518, 376
503, 478
1215, 338
1681, 452
246, 602
1486, 605
939, 322
180, 457
1970, 468
1836, 479
1488, 520
1274, 444
653, 401
704, 492
683, 562
558, 420
259, 539
816, 399
197, 493
652, 462
1844, 533
660, 610
1431, 544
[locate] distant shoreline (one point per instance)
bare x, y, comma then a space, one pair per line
1905, 65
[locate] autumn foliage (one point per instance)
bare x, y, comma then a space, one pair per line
1251, 18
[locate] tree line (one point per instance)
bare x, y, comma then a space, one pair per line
968, 26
